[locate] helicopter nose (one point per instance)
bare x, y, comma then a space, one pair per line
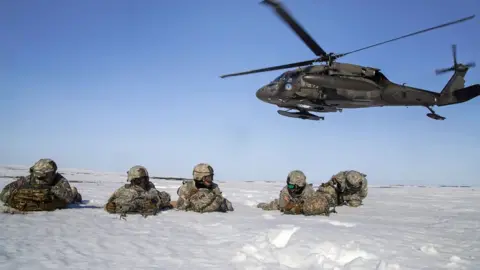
262, 94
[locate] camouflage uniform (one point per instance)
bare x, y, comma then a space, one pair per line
138, 197
330, 192
298, 197
43, 176
201, 194
352, 187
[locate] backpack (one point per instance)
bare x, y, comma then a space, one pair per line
33, 198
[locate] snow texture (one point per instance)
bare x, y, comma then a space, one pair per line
397, 228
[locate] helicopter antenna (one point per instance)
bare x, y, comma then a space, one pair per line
322, 56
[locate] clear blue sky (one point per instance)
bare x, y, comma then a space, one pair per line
106, 85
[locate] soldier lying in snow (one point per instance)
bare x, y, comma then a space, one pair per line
352, 187
138, 197
330, 192
42, 190
201, 194
298, 197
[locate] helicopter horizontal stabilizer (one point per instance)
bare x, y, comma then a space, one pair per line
467, 93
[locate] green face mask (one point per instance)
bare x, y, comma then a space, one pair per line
291, 186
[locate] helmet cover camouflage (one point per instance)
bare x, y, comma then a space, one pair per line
43, 167
201, 170
297, 177
354, 179
137, 172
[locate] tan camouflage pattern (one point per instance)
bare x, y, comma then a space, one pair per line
201, 170
35, 198
285, 198
137, 172
201, 200
330, 193
317, 204
353, 187
59, 186
298, 178
271, 206
44, 165
133, 199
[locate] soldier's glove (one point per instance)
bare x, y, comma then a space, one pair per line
110, 207
293, 208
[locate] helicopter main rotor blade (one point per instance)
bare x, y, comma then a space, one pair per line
297, 28
409, 35
292, 65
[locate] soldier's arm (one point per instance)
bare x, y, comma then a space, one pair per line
164, 199
364, 190
283, 199
110, 206
309, 191
182, 202
7, 190
63, 190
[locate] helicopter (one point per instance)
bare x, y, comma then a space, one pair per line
333, 86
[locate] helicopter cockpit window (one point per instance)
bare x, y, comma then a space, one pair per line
278, 78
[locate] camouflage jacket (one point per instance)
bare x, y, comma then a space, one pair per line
60, 187
349, 194
329, 190
191, 198
285, 198
133, 199
355, 197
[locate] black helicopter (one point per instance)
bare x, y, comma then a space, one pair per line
334, 86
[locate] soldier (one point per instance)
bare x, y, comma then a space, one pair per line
330, 191
352, 187
201, 194
44, 189
298, 197
138, 197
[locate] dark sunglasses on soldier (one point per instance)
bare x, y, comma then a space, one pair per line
292, 186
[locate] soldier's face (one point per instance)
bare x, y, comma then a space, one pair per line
43, 177
207, 180
140, 182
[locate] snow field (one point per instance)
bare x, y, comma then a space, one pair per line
397, 228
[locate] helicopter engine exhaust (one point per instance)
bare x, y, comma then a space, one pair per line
339, 82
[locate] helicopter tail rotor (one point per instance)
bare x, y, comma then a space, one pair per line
456, 66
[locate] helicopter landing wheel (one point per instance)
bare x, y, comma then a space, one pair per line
433, 115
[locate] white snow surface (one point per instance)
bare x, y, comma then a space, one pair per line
397, 228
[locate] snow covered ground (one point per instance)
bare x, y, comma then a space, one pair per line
397, 228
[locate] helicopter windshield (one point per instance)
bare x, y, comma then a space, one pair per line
278, 78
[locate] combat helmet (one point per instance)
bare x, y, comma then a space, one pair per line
44, 168
296, 181
202, 170
137, 172
354, 179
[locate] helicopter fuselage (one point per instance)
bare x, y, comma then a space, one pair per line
343, 86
